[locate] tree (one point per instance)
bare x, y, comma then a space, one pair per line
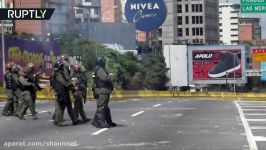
154, 71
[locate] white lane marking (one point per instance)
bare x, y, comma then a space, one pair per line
100, 131
256, 114
256, 120
248, 106
136, 99
137, 113
253, 109
157, 105
260, 138
258, 128
39, 112
250, 137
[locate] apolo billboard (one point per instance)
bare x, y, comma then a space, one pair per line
148, 15
217, 64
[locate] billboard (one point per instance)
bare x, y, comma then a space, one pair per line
148, 15
176, 60
263, 71
259, 54
217, 64
109, 34
42, 54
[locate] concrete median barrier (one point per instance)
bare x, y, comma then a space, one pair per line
47, 94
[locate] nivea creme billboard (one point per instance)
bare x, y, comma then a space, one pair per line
148, 15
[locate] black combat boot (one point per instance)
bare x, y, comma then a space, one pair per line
109, 118
99, 120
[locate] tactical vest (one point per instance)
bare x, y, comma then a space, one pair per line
14, 83
98, 82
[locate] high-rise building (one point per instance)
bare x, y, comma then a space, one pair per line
249, 29
191, 21
61, 20
8, 24
111, 11
229, 21
87, 11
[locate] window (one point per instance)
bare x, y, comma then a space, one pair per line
179, 32
194, 31
187, 19
200, 8
201, 31
193, 19
179, 8
193, 7
79, 11
179, 20
186, 8
187, 31
196, 7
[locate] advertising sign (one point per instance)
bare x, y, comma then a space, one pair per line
263, 71
148, 15
176, 60
22, 52
259, 54
217, 64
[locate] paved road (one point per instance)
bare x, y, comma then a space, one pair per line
168, 124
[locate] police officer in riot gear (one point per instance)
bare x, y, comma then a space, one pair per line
25, 87
79, 82
16, 90
62, 86
103, 89
9, 90
32, 78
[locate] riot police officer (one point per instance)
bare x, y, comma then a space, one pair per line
26, 97
16, 90
62, 86
9, 90
34, 79
103, 89
79, 82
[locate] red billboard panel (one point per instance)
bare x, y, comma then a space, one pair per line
216, 64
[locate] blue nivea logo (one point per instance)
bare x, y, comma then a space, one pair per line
148, 15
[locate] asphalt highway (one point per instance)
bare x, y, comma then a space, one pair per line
154, 124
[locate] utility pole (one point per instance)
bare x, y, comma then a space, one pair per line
3, 43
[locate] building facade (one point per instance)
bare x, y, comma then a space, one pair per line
111, 11
8, 24
61, 20
87, 11
190, 21
249, 29
229, 23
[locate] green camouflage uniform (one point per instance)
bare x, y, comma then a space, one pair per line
9, 93
78, 94
26, 97
103, 89
63, 98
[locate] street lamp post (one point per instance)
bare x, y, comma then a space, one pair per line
3, 43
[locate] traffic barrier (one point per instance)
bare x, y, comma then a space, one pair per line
47, 94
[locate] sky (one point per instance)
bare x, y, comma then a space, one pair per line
259, 15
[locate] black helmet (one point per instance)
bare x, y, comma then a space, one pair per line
58, 65
30, 68
15, 68
101, 61
9, 65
